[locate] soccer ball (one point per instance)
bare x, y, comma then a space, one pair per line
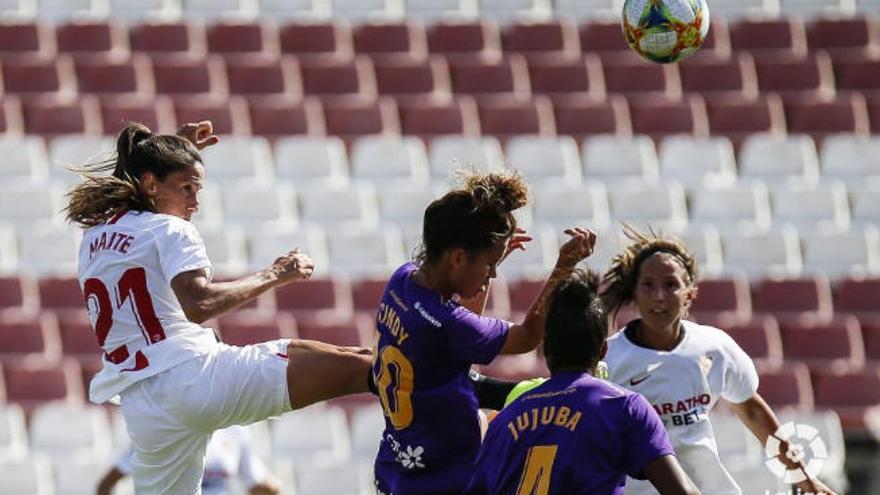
665, 31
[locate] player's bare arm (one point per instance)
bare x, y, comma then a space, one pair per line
667, 476
202, 299
526, 336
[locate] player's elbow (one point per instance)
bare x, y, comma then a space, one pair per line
195, 312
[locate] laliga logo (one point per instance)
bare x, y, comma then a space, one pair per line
804, 445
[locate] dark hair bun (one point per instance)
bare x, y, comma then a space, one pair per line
503, 191
580, 290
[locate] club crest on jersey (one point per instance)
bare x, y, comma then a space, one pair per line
706, 364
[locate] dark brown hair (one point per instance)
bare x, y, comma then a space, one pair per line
577, 323
138, 151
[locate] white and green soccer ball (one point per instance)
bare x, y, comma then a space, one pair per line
665, 31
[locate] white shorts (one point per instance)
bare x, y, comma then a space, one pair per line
172, 415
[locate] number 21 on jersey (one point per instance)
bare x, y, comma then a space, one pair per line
395, 384
132, 283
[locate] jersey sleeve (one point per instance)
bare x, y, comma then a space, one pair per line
740, 376
181, 249
645, 438
476, 338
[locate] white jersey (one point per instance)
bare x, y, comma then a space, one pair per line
125, 270
229, 456
683, 385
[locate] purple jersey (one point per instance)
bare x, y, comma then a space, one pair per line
426, 347
572, 434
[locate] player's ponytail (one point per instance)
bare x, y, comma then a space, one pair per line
474, 217
577, 323
113, 185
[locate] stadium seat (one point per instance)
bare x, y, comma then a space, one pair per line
258, 76
850, 158
226, 245
782, 35
39, 75
182, 37
84, 37
78, 339
308, 161
276, 117
343, 330
25, 159
60, 10
238, 37
545, 159
411, 78
538, 258
717, 43
720, 76
367, 293
580, 116
464, 38
849, 393
247, 203
759, 337
633, 77
29, 336
778, 159
189, 75
871, 337
18, 294
156, 112
138, 10
11, 120
316, 38
51, 117
31, 475
31, 383
563, 206
238, 329
612, 158
358, 252
267, 242
787, 387
13, 432
857, 295
62, 431
698, 161
60, 293
794, 297
836, 342
26, 37
760, 254
76, 150
796, 75
403, 204
379, 39
567, 76
379, 159
542, 39
842, 35
660, 118
222, 9
820, 118
660, 206
316, 297
865, 205
737, 118
8, 249
24, 202
362, 10
449, 153
505, 117
811, 207
508, 10
335, 206
237, 158
434, 10
603, 36
295, 9
45, 248
227, 115
722, 298
430, 118
78, 475
342, 478
736, 444
857, 72
482, 76
114, 74
855, 252
704, 242
351, 118
367, 425
582, 10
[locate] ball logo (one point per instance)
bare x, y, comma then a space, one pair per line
804, 445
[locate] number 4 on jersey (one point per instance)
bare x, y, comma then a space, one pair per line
535, 479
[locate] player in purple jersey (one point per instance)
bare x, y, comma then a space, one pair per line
576, 434
428, 339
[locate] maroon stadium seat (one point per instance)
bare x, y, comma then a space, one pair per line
843, 35
736, 118
823, 343
18, 294
350, 118
542, 38
227, 115
91, 36
346, 331
635, 77
779, 35
857, 72
26, 38
306, 39
238, 329
55, 116
759, 337
719, 75
32, 75
871, 337
847, 113
602, 36
582, 116
390, 37
874, 114
507, 75
180, 75
717, 43
242, 37
464, 39
409, 76
793, 297
523, 293
563, 76
849, 393
366, 294
30, 383
661, 117
338, 76
306, 298
170, 37
28, 335
435, 117
723, 296
858, 296
114, 74
795, 75
156, 112
263, 75
787, 387
61, 293
78, 339
277, 117
505, 117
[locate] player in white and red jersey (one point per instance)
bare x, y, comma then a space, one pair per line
682, 368
147, 284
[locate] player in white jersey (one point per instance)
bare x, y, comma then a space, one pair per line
230, 457
147, 284
682, 368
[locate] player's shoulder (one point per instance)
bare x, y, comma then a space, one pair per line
708, 333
